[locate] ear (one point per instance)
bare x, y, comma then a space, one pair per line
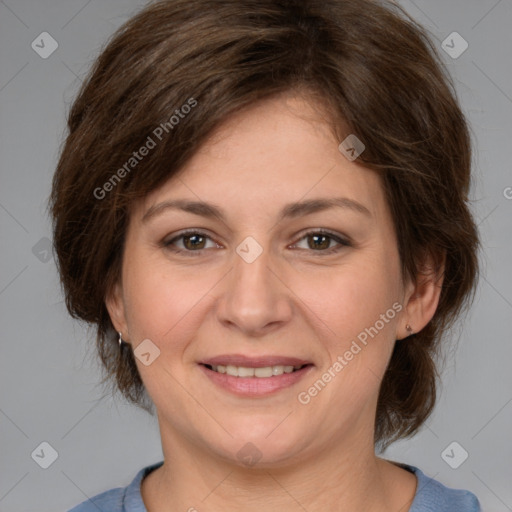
116, 309
422, 296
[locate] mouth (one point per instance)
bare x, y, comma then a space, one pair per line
253, 377
260, 372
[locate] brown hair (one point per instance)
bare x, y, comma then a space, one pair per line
375, 69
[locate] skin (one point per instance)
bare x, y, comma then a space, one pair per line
293, 300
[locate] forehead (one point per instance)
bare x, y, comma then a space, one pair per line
277, 151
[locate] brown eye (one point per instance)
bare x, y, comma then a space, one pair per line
189, 242
321, 242
194, 241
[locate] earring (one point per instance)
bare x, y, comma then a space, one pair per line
409, 329
120, 339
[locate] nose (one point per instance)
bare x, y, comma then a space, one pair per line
254, 298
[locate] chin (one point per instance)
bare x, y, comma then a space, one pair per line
261, 446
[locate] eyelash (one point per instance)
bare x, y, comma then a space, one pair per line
341, 242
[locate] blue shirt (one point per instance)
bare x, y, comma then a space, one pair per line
431, 496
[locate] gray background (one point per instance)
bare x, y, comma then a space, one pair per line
48, 374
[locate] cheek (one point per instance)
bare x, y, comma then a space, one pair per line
162, 304
351, 298
354, 309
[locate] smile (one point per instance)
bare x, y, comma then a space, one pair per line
254, 381
259, 373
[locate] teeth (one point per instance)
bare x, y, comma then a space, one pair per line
241, 371
267, 371
244, 372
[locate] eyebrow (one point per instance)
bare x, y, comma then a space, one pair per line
289, 211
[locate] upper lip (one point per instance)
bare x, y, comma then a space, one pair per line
254, 362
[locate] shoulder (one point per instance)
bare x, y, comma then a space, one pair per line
111, 500
433, 496
120, 499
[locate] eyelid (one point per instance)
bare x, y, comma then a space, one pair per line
341, 240
190, 231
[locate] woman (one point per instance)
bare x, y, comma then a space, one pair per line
262, 206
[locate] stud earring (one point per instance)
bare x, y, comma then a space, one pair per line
409, 329
120, 339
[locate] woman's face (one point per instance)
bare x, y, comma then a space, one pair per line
257, 285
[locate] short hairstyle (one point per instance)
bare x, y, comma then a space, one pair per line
179, 68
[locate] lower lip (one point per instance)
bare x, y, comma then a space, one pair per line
255, 386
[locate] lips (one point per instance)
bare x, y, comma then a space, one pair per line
253, 380
256, 376
254, 362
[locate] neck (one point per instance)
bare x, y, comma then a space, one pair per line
340, 477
